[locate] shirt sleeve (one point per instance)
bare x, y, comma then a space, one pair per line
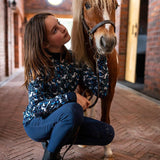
90, 79
43, 106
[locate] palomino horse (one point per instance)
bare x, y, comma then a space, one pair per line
93, 33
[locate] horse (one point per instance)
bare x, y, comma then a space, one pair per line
93, 32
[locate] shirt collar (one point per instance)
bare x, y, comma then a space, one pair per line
57, 56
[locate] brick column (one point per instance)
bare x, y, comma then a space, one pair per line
2, 41
152, 64
16, 36
121, 32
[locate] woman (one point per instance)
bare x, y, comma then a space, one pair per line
55, 110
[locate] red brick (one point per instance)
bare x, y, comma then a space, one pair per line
9, 49
152, 76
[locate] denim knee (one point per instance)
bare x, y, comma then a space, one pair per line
75, 113
109, 134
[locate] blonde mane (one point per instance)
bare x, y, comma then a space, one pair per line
77, 40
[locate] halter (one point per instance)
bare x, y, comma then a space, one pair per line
90, 33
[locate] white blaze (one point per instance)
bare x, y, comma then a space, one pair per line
106, 17
98, 36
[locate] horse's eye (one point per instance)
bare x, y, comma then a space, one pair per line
87, 5
117, 5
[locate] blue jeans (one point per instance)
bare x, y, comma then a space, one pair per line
61, 125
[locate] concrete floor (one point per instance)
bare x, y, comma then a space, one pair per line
135, 118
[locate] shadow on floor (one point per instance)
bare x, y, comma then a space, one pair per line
138, 87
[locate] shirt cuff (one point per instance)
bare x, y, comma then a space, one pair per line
72, 97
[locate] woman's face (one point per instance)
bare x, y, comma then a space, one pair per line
57, 34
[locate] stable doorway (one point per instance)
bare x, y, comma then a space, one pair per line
136, 41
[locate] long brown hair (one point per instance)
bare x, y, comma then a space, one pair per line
35, 57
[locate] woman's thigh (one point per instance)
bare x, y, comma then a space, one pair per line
39, 129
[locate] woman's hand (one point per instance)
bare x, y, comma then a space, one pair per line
82, 101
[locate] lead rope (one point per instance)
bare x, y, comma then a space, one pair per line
74, 140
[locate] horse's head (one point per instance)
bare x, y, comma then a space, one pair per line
92, 13
98, 17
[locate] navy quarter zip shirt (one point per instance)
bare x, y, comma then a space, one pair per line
47, 96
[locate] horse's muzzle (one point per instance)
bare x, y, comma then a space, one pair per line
107, 43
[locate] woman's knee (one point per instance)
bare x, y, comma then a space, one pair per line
109, 134
74, 112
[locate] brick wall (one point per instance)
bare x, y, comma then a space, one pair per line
35, 6
20, 33
152, 64
121, 32
10, 43
9, 34
18, 21
16, 48
2, 40
18, 39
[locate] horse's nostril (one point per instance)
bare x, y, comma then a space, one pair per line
103, 42
112, 43
107, 43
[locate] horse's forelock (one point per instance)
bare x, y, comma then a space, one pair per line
103, 3
77, 6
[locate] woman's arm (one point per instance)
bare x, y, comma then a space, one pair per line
43, 106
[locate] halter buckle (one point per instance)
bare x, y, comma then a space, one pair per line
90, 35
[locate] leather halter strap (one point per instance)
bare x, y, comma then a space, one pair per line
91, 32
101, 24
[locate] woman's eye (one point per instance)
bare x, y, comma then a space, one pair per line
55, 31
87, 5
